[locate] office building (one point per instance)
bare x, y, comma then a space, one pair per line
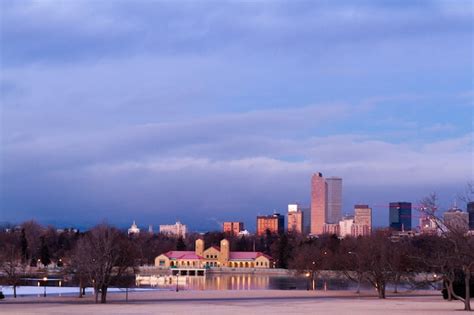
318, 203
233, 228
176, 230
334, 199
331, 228
345, 226
456, 220
306, 220
362, 220
400, 216
295, 219
274, 223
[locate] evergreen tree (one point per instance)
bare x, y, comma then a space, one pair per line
44, 253
24, 246
180, 245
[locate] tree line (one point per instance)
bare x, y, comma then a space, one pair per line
105, 256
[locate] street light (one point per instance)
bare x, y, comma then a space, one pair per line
44, 283
177, 277
307, 282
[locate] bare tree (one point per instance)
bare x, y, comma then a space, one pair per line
349, 262
11, 262
104, 255
375, 254
459, 250
310, 258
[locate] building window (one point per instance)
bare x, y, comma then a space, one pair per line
161, 263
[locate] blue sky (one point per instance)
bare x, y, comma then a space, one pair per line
210, 111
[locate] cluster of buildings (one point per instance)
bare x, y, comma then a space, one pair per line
174, 230
324, 216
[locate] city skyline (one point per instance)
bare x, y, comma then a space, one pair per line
164, 111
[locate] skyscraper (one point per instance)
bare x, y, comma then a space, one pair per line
295, 219
334, 199
362, 220
470, 210
400, 216
306, 220
319, 194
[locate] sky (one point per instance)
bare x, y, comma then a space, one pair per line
207, 111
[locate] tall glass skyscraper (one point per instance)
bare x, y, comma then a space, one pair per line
400, 216
334, 200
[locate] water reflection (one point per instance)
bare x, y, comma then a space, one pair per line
252, 282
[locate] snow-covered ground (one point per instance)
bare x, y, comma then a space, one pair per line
238, 302
39, 290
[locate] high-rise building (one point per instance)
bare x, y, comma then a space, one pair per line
470, 211
319, 194
306, 220
456, 220
274, 223
233, 228
177, 229
334, 199
345, 226
295, 219
362, 220
400, 216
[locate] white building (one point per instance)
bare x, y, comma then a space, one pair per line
133, 229
345, 226
456, 220
176, 229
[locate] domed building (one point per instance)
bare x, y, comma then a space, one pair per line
133, 229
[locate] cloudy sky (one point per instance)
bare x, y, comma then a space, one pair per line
206, 111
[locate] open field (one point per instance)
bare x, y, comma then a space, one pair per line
240, 302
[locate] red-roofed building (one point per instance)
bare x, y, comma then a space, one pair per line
212, 257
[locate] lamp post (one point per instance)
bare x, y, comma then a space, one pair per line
44, 286
307, 281
177, 277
